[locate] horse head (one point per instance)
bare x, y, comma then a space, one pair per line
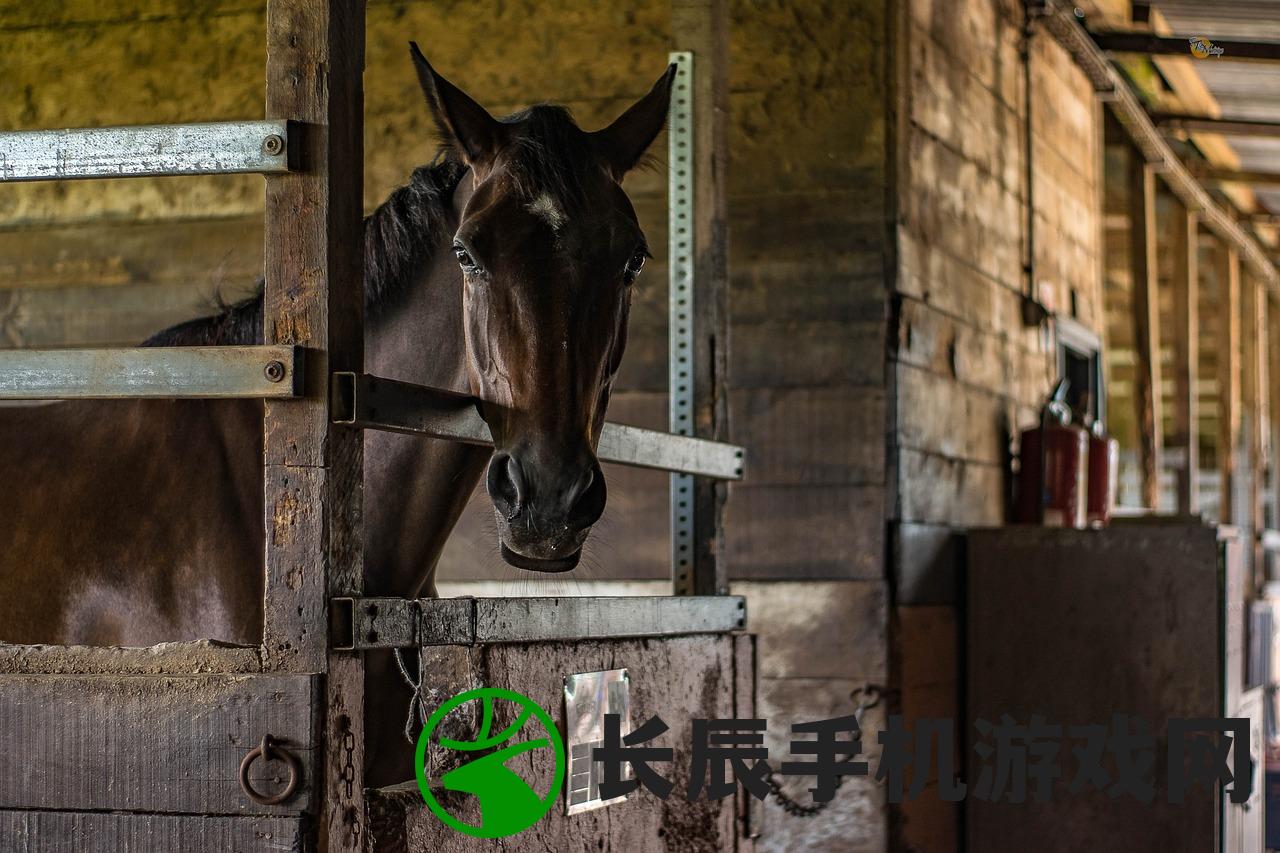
549, 246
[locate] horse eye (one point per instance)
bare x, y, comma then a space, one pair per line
635, 265
464, 258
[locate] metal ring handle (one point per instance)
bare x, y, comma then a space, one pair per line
269, 750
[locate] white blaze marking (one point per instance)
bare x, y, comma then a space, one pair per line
545, 208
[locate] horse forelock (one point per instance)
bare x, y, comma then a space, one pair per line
549, 158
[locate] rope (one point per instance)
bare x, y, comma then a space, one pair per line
415, 701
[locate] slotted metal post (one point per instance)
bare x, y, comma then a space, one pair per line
680, 310
699, 151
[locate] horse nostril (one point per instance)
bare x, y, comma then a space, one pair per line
506, 485
517, 482
586, 500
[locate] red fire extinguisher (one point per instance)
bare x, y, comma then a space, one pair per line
1104, 464
1054, 470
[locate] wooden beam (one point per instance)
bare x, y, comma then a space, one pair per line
702, 27
1266, 458
1228, 263
1253, 321
1238, 176
1273, 405
1192, 123
1153, 45
148, 743
1146, 325
1186, 353
314, 297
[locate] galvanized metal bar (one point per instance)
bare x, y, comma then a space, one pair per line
359, 624
371, 402
468, 621
510, 620
210, 148
166, 372
680, 343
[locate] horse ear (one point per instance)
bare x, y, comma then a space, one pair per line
624, 142
463, 123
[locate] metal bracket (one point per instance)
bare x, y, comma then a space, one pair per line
680, 309
210, 148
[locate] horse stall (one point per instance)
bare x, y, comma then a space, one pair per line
197, 743
313, 502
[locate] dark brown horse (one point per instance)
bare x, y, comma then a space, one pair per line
136, 522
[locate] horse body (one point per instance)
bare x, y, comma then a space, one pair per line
133, 522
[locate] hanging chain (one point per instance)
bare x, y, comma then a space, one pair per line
347, 776
867, 698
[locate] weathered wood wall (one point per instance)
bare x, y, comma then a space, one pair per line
966, 375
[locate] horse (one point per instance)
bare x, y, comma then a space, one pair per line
503, 269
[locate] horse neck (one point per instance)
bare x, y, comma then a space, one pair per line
419, 336
416, 488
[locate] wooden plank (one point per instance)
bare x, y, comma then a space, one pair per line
1228, 354
1146, 325
792, 532
153, 743
200, 254
314, 297
200, 656
811, 436
95, 832
163, 372
679, 679
93, 316
942, 416
702, 27
1186, 353
750, 810
935, 488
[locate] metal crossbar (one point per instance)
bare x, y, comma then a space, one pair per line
371, 402
211, 148
201, 372
388, 623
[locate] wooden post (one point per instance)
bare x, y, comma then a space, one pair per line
1146, 324
1253, 321
1186, 352
1228, 262
315, 298
1273, 402
702, 27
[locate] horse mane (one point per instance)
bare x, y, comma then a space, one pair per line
399, 237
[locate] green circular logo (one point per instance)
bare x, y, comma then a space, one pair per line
508, 804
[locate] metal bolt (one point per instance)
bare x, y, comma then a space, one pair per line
273, 144
274, 371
